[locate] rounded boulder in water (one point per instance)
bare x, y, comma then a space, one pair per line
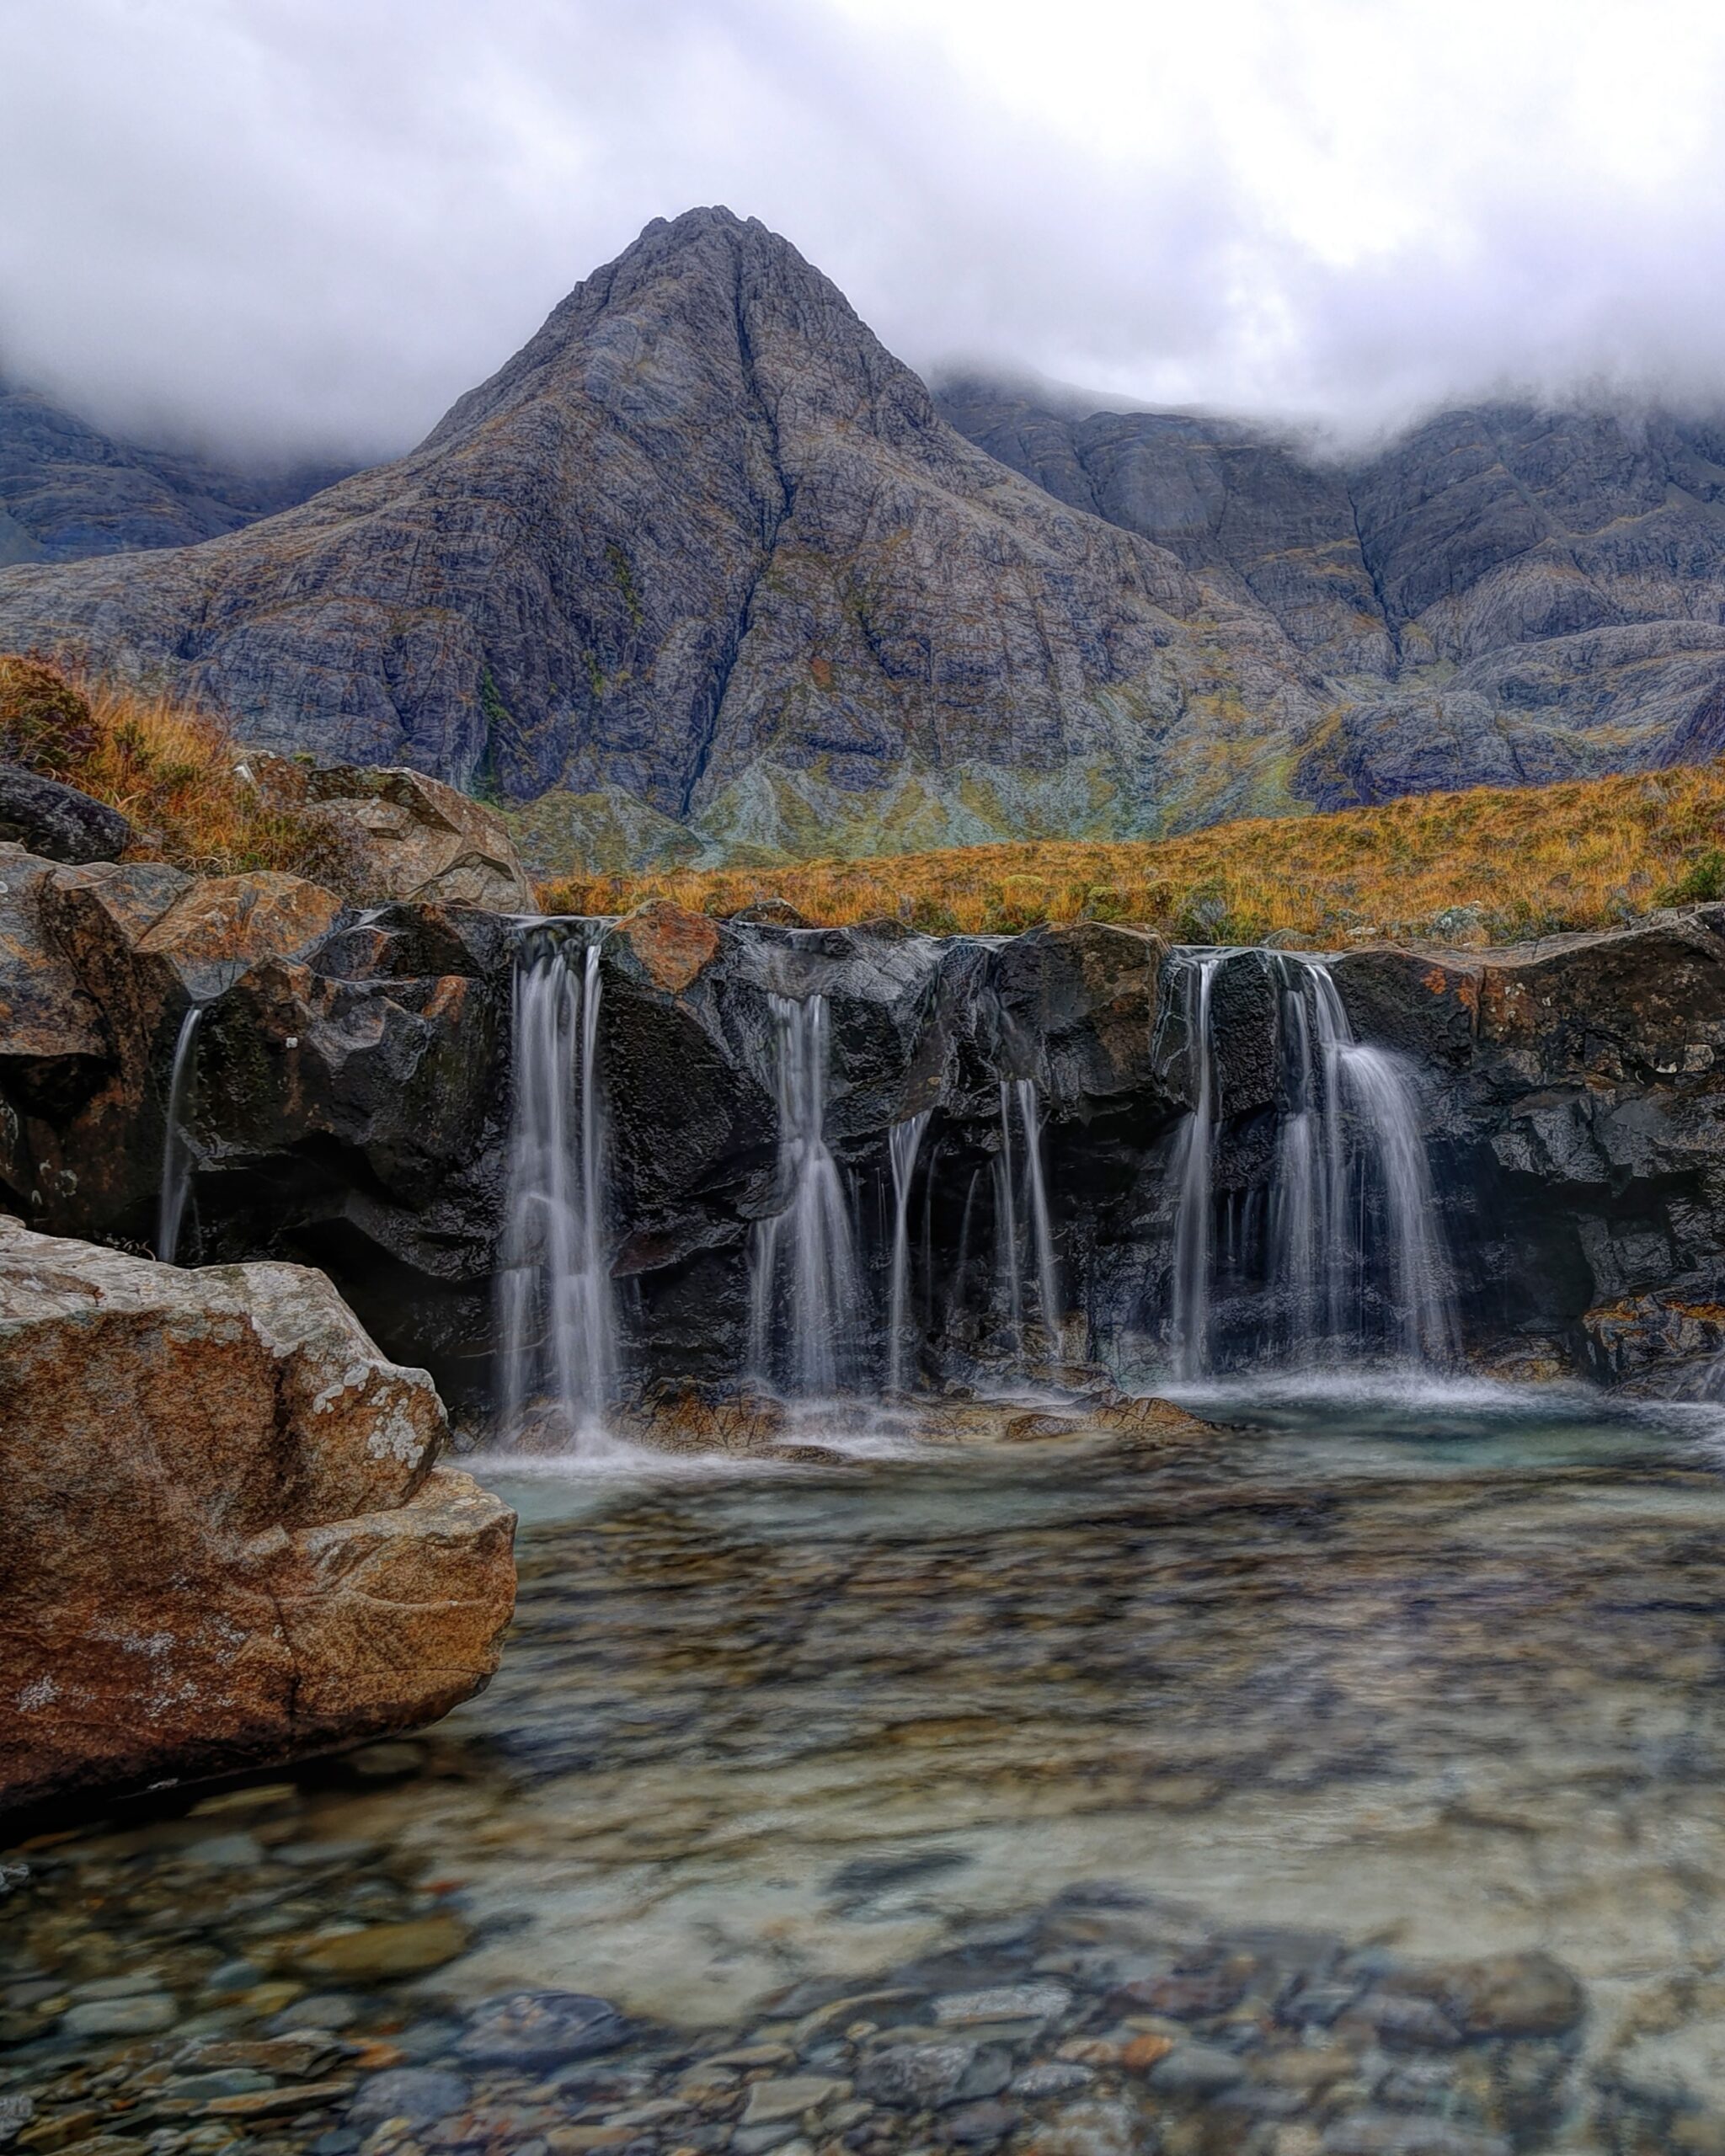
541, 2029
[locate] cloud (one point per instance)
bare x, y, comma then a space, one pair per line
309, 225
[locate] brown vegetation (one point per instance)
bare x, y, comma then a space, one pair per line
1491, 865
167, 767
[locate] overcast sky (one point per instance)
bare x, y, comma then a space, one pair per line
312, 223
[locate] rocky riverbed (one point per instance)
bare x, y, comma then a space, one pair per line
1348, 1785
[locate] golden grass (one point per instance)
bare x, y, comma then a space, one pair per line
168, 767
1490, 865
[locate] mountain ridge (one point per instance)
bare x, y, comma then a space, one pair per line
703, 570
69, 491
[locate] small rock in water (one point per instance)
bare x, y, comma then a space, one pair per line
1394, 2133
1092, 2129
224, 1852
377, 1951
233, 1976
540, 2028
1405, 2018
1196, 2070
771, 2101
980, 2126
324, 2010
917, 2077
147, 2015
1053, 2077
1514, 1995
416, 2094
1042, 2001
134, 1986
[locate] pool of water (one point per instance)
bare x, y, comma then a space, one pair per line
1382, 1681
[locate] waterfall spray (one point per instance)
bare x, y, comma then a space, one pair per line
176, 1144
805, 1295
558, 1313
1006, 1221
904, 1143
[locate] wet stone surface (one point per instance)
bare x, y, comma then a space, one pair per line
1340, 1800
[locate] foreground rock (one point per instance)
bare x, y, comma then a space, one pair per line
225, 1540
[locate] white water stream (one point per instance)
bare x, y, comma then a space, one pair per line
558, 1310
176, 1144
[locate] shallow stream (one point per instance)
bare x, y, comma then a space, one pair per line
1354, 1785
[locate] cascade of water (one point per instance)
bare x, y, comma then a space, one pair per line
558, 1312
804, 1282
1006, 1220
176, 1146
904, 1143
1420, 1291
1353, 1219
1194, 1228
1309, 1222
1042, 1241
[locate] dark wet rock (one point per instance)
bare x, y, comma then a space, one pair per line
56, 821
541, 2029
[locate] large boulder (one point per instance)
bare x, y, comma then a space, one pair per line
405, 835
56, 820
224, 1541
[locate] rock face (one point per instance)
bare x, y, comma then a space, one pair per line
1504, 596
225, 1540
68, 490
408, 836
349, 1097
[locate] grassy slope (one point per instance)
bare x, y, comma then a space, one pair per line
1493, 864
166, 766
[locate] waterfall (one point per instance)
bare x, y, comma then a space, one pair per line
806, 1294
558, 1313
1354, 1255
1020, 1093
1194, 1228
176, 1144
904, 1143
1006, 1221
1420, 1291
1042, 1241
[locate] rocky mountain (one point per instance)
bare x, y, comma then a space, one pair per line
704, 554
68, 491
1503, 595
704, 570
